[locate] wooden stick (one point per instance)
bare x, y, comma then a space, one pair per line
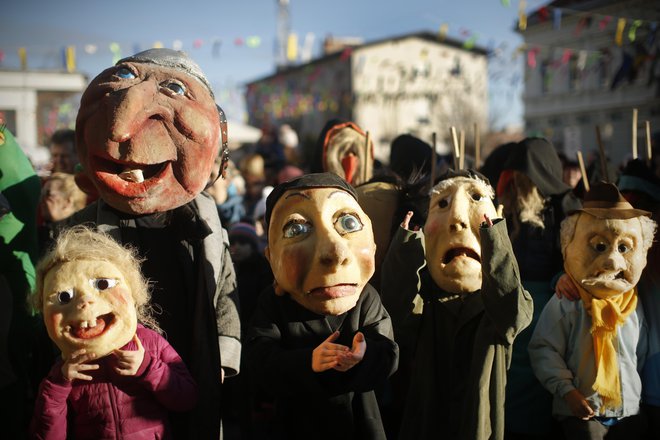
477, 147
454, 139
461, 146
603, 160
583, 170
649, 150
434, 157
634, 134
366, 156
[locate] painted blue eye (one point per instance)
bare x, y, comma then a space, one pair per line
176, 87
294, 229
349, 223
125, 73
65, 296
103, 283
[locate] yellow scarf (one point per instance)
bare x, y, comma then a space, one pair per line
606, 315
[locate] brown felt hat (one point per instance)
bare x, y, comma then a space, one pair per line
604, 201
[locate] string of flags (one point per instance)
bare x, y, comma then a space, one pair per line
625, 28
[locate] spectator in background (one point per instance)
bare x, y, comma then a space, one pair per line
272, 151
289, 140
60, 198
62, 148
226, 194
253, 170
571, 171
410, 156
535, 200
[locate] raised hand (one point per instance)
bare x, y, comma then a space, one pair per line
565, 288
327, 354
129, 361
348, 360
406, 220
75, 363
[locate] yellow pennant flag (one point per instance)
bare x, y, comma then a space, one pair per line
620, 26
71, 59
442, 34
522, 15
22, 55
292, 47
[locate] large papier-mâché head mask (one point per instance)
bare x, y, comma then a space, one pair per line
451, 232
605, 243
320, 242
91, 293
148, 131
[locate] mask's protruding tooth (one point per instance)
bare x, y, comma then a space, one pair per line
132, 175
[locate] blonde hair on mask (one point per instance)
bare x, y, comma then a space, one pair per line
81, 243
567, 231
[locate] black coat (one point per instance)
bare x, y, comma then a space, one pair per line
332, 404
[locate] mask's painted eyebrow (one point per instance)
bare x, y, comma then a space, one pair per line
301, 194
332, 194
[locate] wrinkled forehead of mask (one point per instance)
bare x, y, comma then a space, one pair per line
452, 178
314, 180
170, 58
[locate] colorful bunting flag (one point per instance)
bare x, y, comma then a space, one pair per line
522, 15
197, 44
602, 24
633, 30
620, 26
556, 18
70, 59
292, 47
442, 33
115, 49
22, 55
177, 44
253, 41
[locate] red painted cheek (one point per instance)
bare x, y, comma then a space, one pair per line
431, 228
293, 264
120, 297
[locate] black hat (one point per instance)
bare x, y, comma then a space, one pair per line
314, 180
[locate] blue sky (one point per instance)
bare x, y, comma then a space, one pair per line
44, 27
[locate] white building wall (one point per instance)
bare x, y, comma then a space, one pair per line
19, 92
418, 87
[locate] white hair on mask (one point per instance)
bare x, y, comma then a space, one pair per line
446, 184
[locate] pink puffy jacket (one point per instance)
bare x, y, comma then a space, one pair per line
111, 406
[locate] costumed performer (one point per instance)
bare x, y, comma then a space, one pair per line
457, 304
147, 133
320, 340
116, 378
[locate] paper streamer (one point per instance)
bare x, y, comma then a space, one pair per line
292, 47
620, 26
70, 59
632, 32
22, 55
556, 19
522, 15
115, 49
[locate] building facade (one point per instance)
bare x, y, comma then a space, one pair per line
417, 84
33, 104
589, 64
